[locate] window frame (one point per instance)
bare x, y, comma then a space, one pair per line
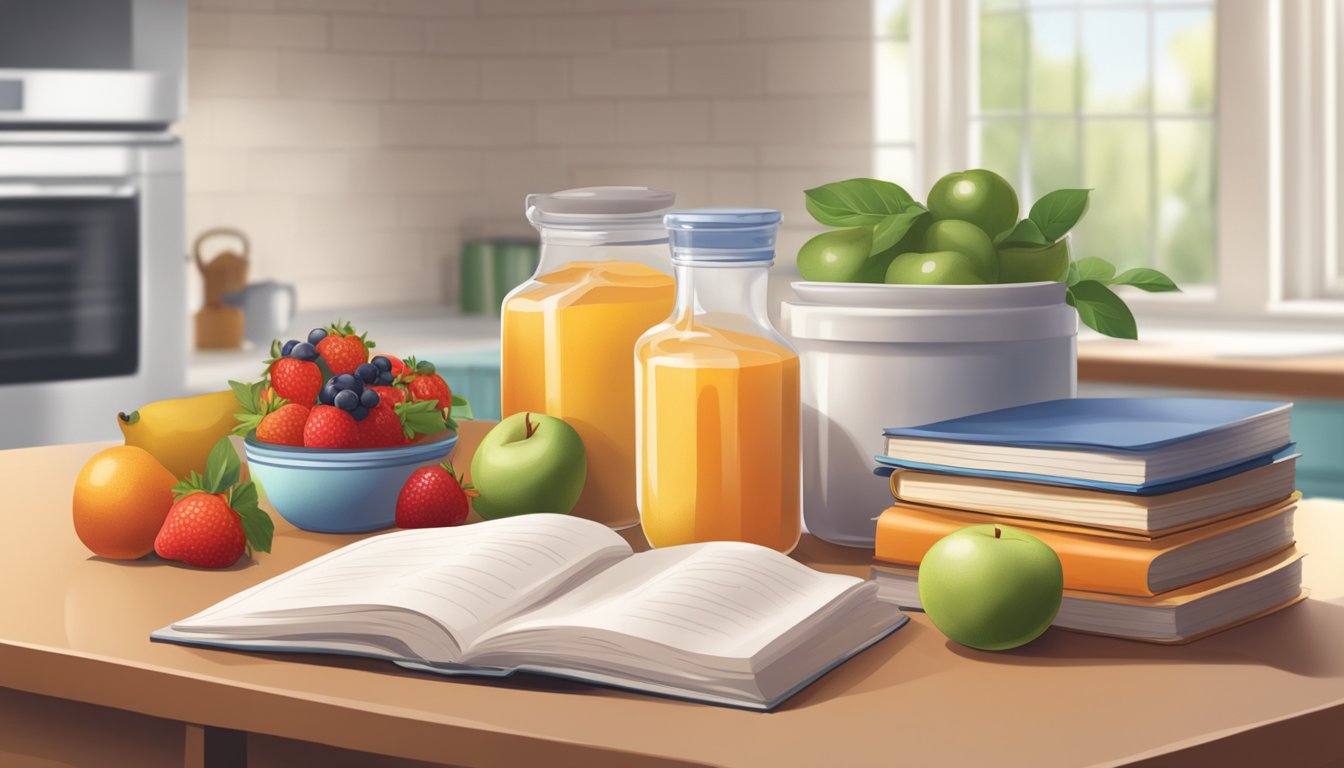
1267, 271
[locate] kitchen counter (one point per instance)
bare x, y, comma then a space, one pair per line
81, 684
428, 332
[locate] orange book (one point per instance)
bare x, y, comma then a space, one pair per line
1098, 560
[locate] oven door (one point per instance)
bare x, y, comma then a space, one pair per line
70, 277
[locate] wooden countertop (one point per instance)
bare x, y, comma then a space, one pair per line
1194, 366
76, 627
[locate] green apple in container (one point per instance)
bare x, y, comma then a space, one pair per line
528, 463
968, 234
991, 587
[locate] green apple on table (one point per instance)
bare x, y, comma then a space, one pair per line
529, 462
991, 587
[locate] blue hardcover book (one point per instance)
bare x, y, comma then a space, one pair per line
886, 466
1113, 443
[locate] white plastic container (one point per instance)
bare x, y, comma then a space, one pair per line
877, 356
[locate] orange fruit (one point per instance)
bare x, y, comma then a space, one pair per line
122, 496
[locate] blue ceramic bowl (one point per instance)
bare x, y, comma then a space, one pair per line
339, 490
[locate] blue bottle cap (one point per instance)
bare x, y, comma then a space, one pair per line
722, 235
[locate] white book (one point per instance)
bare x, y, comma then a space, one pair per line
722, 622
1155, 515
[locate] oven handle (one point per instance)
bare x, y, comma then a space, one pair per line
47, 191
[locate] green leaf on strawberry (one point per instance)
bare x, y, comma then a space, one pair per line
254, 407
420, 418
460, 409
257, 525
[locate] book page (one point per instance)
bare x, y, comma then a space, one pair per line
465, 578
717, 599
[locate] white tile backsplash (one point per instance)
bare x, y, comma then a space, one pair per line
357, 140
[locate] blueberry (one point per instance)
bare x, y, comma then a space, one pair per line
346, 400
316, 335
328, 394
346, 381
382, 362
369, 399
368, 372
359, 413
385, 379
303, 351
289, 347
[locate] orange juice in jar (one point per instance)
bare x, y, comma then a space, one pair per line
718, 393
568, 334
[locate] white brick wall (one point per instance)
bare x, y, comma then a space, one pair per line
356, 140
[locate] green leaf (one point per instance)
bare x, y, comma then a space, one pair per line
857, 202
1094, 268
893, 228
257, 525
1073, 276
461, 409
1058, 212
222, 467
1146, 279
1025, 235
246, 394
1101, 310
421, 417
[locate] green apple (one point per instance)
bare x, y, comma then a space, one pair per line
991, 587
1030, 265
875, 269
981, 197
968, 239
836, 256
529, 462
937, 268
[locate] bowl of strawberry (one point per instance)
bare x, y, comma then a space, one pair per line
332, 432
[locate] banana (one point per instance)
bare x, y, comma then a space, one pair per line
180, 433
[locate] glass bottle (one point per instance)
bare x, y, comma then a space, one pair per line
568, 333
718, 393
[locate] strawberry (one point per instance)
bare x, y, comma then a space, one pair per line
425, 384
342, 350
329, 427
293, 375
214, 519
283, 425
272, 419
398, 365
391, 394
432, 498
391, 423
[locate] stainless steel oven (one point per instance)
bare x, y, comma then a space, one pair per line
92, 267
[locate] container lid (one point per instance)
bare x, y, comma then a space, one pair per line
915, 314
603, 201
722, 235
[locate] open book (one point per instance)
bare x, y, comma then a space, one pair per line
723, 622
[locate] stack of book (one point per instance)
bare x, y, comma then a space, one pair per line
1172, 517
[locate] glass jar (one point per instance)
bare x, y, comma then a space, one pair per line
568, 333
718, 393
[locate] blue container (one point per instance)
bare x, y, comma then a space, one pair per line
339, 490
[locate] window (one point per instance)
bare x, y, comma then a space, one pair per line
1208, 130
893, 77
1115, 97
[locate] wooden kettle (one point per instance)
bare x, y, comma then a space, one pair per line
218, 325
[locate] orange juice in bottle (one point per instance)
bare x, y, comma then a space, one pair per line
718, 393
568, 334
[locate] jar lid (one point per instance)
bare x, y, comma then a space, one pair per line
603, 201
723, 235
